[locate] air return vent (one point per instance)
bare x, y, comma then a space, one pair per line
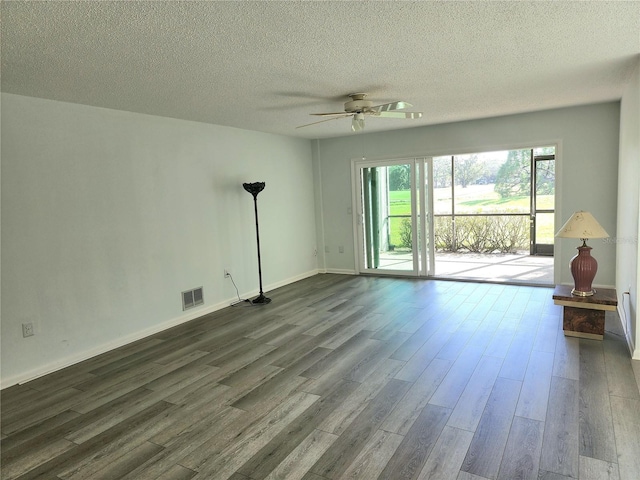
192, 298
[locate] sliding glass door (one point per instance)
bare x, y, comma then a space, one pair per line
391, 216
461, 210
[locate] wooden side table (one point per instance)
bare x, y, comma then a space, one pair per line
584, 316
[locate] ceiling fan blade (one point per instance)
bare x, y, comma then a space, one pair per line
399, 114
331, 114
321, 121
387, 107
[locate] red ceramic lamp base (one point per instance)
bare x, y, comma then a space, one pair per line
583, 268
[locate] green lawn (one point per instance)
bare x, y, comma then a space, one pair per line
477, 199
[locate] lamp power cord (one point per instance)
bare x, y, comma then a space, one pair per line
240, 300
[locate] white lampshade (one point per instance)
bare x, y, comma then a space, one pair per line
582, 225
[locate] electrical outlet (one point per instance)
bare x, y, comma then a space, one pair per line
27, 329
227, 273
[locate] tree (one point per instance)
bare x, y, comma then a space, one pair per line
545, 177
399, 177
514, 176
468, 169
441, 172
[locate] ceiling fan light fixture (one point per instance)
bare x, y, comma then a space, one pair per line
357, 124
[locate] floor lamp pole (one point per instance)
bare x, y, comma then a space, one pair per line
254, 189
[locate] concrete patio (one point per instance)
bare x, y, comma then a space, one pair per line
509, 268
519, 268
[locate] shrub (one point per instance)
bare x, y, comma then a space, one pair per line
483, 234
510, 233
406, 238
443, 234
474, 234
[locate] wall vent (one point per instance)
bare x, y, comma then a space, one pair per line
192, 298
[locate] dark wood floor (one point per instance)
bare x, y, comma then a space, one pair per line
342, 377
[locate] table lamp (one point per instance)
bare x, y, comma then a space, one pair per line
583, 266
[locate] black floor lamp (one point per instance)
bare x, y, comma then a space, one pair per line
254, 189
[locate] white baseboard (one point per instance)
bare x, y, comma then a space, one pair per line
635, 354
340, 271
135, 336
105, 347
297, 278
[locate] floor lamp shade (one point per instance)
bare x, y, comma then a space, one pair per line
254, 189
583, 266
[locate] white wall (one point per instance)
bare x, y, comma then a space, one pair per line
627, 274
587, 171
107, 216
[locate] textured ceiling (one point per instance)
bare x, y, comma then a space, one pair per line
266, 65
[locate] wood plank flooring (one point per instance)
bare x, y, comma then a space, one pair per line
342, 377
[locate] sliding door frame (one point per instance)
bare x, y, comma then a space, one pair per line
421, 178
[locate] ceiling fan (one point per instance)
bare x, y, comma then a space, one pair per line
358, 108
